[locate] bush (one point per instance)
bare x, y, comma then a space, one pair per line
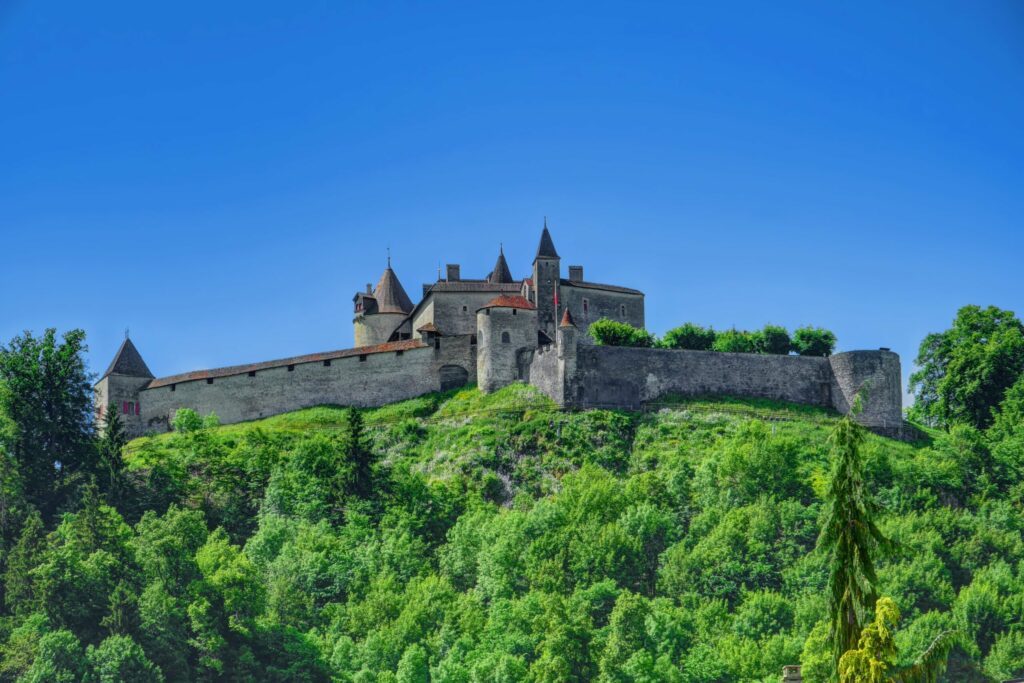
737, 341
690, 336
775, 340
611, 333
813, 341
186, 421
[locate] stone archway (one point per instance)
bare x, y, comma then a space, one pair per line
453, 377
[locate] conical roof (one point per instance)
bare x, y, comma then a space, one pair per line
128, 361
390, 296
501, 273
546, 248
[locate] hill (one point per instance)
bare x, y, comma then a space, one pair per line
504, 540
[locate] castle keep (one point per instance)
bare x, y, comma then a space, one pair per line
494, 331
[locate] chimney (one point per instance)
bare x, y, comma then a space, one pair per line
575, 273
453, 272
369, 288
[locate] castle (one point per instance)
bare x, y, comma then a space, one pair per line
494, 331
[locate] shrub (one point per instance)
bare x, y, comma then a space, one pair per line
186, 421
813, 341
690, 336
737, 341
611, 333
775, 340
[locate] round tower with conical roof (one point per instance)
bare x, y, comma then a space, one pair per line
380, 311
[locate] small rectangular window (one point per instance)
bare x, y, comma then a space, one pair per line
399, 353
291, 368
515, 312
252, 373
209, 380
472, 339
327, 363
586, 308
173, 387
622, 310
138, 408
124, 407
465, 308
437, 342
362, 358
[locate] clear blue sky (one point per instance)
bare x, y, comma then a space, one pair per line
221, 177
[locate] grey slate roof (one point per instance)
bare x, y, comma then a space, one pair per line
597, 285
546, 248
390, 296
128, 361
501, 273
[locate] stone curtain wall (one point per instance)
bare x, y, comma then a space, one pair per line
618, 377
381, 378
627, 377
601, 304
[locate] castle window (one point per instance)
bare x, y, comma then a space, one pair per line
124, 407
472, 339
464, 309
586, 308
291, 368
252, 373
437, 342
622, 310
138, 407
505, 338
173, 387
399, 353
514, 312
209, 380
362, 358
327, 363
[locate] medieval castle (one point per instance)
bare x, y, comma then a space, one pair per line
495, 331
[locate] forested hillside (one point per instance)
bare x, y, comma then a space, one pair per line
463, 537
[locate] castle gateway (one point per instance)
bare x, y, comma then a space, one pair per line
494, 331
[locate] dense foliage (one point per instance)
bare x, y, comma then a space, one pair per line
468, 538
964, 372
772, 339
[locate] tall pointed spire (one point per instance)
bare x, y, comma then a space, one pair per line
128, 361
389, 293
501, 273
546, 248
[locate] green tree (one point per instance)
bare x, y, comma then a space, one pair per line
613, 333
358, 455
59, 659
874, 660
110, 445
963, 373
689, 336
850, 537
813, 341
737, 341
119, 659
775, 340
412, 668
48, 397
27, 554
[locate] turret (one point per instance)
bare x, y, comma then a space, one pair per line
501, 273
120, 387
547, 272
874, 377
379, 313
506, 339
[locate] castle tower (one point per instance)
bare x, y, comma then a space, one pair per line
120, 386
501, 274
506, 336
379, 313
547, 272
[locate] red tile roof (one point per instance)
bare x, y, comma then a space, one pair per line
294, 360
508, 301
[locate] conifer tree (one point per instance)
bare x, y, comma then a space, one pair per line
111, 445
359, 456
19, 596
849, 536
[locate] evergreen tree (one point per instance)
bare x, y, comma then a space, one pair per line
111, 444
849, 536
19, 587
49, 398
359, 455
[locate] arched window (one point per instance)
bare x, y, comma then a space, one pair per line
505, 338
